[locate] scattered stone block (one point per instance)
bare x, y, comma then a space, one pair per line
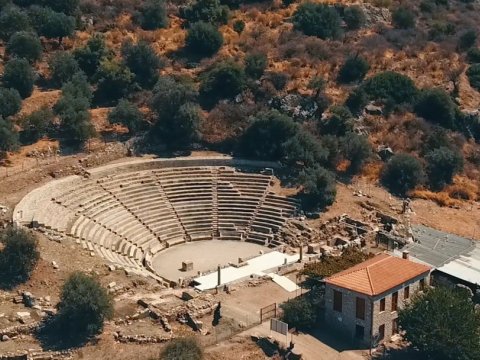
187, 265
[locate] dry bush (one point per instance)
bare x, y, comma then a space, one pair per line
371, 171
441, 198
463, 189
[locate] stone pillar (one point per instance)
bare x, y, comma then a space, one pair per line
219, 281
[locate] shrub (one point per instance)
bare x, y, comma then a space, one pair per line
153, 15
223, 81
203, 39
439, 30
12, 20
37, 124
26, 45
127, 114
84, 306
338, 123
19, 75
391, 86
318, 20
354, 17
19, 256
434, 139
184, 128
182, 349
10, 102
78, 87
436, 106
356, 101
51, 24
467, 40
75, 122
90, 56
142, 61
303, 150
255, 64
299, 313
354, 69
62, 66
114, 81
318, 188
403, 18
473, 55
473, 74
356, 149
402, 173
238, 26
442, 164
442, 309
278, 79
8, 136
208, 11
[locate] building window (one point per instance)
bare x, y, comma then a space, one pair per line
359, 332
406, 292
337, 301
382, 305
422, 284
381, 332
395, 301
360, 308
395, 326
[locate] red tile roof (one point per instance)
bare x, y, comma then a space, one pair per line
377, 275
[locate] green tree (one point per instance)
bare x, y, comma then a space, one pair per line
222, 81
114, 81
442, 323
338, 123
303, 150
19, 256
127, 114
299, 313
76, 124
267, 135
12, 20
78, 87
473, 74
403, 18
153, 15
26, 45
318, 188
68, 7
436, 105
37, 124
473, 55
90, 56
183, 128
402, 173
169, 94
318, 20
356, 149
238, 26
203, 39
209, 11
356, 101
391, 86
10, 102
19, 75
143, 62
354, 17
51, 24
63, 67
84, 306
182, 349
354, 69
442, 164
255, 64
8, 136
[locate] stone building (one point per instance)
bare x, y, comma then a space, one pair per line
363, 301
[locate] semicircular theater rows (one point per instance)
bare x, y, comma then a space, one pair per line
129, 217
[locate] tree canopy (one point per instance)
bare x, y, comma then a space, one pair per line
143, 62
442, 323
24, 44
318, 188
318, 20
402, 173
19, 75
19, 256
182, 349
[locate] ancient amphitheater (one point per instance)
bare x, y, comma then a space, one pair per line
131, 213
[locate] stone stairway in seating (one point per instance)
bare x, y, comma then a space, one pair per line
128, 217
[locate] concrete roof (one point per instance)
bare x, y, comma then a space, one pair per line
437, 248
465, 267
